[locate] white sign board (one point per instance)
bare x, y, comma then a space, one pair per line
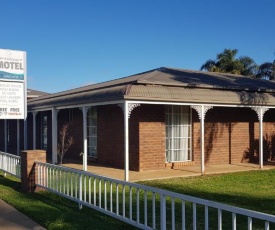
13, 92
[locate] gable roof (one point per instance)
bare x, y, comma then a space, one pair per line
168, 84
200, 79
35, 93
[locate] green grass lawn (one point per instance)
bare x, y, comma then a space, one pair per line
53, 211
254, 190
251, 190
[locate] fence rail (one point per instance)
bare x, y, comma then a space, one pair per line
143, 206
11, 164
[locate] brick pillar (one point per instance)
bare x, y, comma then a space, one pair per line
28, 169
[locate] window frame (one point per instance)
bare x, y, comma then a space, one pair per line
92, 132
44, 131
170, 115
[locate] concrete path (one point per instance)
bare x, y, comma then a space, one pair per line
12, 219
166, 173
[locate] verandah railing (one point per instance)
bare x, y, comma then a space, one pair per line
146, 207
11, 164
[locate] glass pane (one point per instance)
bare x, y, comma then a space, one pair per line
168, 156
92, 131
178, 133
168, 144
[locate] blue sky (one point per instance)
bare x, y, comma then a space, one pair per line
70, 44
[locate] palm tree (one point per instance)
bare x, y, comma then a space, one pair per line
226, 62
210, 66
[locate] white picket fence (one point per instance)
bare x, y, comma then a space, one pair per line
11, 164
143, 206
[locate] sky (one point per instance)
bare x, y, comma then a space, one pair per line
73, 43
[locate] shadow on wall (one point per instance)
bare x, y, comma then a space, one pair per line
213, 131
252, 154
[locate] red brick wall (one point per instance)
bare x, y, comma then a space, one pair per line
146, 137
152, 137
134, 140
239, 145
110, 136
28, 170
74, 118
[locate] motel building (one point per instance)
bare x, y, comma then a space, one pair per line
162, 118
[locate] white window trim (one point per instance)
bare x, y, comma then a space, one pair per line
189, 137
42, 132
93, 136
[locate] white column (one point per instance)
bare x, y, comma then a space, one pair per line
202, 141
201, 110
261, 140
25, 134
18, 138
54, 135
126, 141
260, 112
85, 139
5, 136
34, 130
127, 109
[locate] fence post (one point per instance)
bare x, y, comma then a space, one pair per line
28, 169
80, 192
163, 212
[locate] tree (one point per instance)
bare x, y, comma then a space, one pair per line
266, 71
226, 62
210, 66
65, 141
250, 67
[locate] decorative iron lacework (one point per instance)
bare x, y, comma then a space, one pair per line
86, 109
258, 111
201, 113
131, 107
56, 111
34, 113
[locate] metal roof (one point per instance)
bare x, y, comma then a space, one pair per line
197, 95
35, 93
168, 84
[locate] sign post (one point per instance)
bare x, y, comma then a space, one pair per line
13, 84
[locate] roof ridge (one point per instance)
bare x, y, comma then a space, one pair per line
150, 74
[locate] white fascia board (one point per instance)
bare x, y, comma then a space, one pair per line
77, 106
148, 102
188, 104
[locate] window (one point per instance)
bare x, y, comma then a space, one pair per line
92, 132
178, 133
44, 129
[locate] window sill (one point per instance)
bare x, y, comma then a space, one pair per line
175, 165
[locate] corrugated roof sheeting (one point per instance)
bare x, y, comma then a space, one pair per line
113, 93
168, 84
192, 95
200, 79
